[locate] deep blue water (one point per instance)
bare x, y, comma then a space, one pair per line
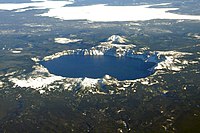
75, 66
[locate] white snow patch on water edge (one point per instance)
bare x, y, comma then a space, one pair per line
66, 40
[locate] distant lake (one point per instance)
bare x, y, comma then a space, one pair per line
75, 66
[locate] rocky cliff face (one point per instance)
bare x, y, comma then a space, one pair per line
110, 48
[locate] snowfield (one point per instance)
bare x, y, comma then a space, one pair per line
66, 40
98, 13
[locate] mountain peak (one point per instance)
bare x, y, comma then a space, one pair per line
117, 39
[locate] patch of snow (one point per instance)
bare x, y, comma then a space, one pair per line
126, 85
117, 39
10, 74
19, 49
66, 40
180, 21
39, 4
193, 62
107, 77
121, 88
195, 35
89, 82
67, 86
134, 24
105, 13
97, 13
171, 62
121, 110
35, 59
16, 52
121, 45
33, 25
184, 87
1, 84
42, 91
165, 91
42, 81
147, 81
117, 42
37, 81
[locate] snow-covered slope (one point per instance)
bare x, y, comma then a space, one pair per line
116, 39
112, 48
